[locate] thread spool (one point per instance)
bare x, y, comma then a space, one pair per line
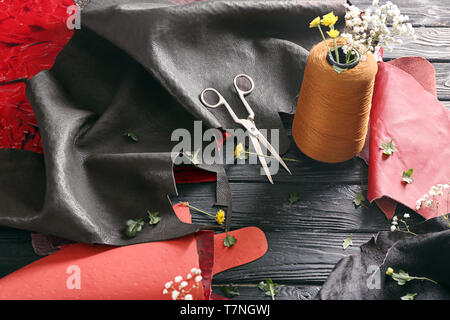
332, 117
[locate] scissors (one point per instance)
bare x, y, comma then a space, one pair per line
244, 85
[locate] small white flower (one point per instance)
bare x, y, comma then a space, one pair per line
432, 193
419, 202
183, 284
188, 297
429, 203
395, 218
375, 3
198, 278
178, 279
406, 215
393, 228
445, 186
394, 223
168, 284
175, 294
189, 276
165, 291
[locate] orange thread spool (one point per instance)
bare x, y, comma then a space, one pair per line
332, 117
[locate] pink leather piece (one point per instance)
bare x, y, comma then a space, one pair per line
404, 110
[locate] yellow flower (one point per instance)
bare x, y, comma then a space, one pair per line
220, 216
239, 152
315, 23
389, 271
333, 34
329, 19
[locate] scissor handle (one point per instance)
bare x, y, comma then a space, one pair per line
243, 84
211, 98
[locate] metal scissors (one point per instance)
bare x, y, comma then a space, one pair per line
244, 85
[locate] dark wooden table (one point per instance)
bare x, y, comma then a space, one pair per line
305, 239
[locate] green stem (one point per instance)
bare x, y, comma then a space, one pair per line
263, 155
336, 50
425, 278
407, 228
197, 209
325, 40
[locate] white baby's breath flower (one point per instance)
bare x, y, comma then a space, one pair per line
165, 291
394, 223
178, 279
188, 297
189, 276
445, 186
175, 294
168, 284
393, 228
183, 284
406, 216
395, 218
429, 203
198, 278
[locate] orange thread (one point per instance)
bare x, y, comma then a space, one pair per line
332, 116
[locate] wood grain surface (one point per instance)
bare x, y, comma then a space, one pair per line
305, 238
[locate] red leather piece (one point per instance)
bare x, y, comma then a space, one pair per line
402, 109
133, 272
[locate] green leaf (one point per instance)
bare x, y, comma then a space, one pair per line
388, 147
359, 198
407, 176
194, 157
338, 70
229, 241
132, 136
409, 296
229, 291
133, 227
153, 218
269, 288
401, 277
293, 198
347, 242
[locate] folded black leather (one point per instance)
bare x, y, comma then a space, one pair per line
139, 66
424, 255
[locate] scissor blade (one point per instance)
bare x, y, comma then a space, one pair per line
258, 150
272, 150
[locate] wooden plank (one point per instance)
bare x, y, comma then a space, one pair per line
442, 80
295, 257
420, 12
321, 207
285, 292
432, 44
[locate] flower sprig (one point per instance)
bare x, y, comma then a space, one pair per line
402, 277
328, 20
437, 199
396, 227
219, 216
181, 289
242, 154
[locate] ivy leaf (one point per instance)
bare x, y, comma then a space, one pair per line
132, 136
409, 296
194, 157
347, 242
359, 199
153, 218
407, 176
229, 291
269, 288
293, 198
133, 227
388, 147
401, 277
229, 241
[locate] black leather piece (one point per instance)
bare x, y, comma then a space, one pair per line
425, 255
139, 66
